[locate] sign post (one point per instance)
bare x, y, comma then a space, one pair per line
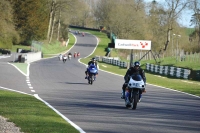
132, 44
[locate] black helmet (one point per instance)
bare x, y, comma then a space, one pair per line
94, 59
137, 63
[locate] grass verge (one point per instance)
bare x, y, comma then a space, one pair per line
21, 66
31, 115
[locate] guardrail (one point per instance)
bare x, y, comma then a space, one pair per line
113, 61
161, 70
169, 71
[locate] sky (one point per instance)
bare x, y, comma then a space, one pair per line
185, 16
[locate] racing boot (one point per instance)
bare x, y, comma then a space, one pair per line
123, 94
140, 97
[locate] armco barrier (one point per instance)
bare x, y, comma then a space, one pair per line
114, 61
169, 71
162, 70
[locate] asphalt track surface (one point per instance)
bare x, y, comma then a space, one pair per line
98, 108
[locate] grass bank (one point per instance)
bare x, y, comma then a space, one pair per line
50, 49
31, 115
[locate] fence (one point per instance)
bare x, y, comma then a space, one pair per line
161, 70
36, 46
112, 60
179, 54
169, 71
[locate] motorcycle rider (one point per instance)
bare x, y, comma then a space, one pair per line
64, 58
133, 69
91, 62
69, 55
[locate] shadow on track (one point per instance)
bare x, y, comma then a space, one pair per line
75, 83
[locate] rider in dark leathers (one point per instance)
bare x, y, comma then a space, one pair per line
134, 69
93, 62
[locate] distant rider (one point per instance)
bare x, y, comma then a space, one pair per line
75, 54
78, 54
133, 69
69, 53
92, 62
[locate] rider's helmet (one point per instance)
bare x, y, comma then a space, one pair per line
137, 64
93, 59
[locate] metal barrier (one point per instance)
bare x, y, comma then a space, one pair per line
114, 61
169, 71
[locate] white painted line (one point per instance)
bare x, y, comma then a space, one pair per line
4, 56
28, 70
33, 90
31, 87
29, 84
14, 90
103, 65
17, 69
159, 76
27, 80
187, 82
175, 90
65, 118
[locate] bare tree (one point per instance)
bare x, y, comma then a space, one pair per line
51, 18
195, 20
172, 12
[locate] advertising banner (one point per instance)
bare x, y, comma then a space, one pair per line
133, 44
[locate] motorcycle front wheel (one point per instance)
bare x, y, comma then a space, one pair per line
134, 101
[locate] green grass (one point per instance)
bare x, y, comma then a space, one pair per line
31, 115
171, 61
21, 66
56, 47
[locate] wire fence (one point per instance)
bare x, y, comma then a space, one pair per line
36, 46
179, 55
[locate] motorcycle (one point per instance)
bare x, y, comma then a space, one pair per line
75, 55
78, 54
92, 72
64, 59
83, 34
60, 57
135, 87
69, 57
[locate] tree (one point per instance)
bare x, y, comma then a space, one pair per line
59, 18
172, 13
31, 19
8, 34
195, 20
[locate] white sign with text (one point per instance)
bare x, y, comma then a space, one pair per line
133, 44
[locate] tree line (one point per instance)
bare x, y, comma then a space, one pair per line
25, 20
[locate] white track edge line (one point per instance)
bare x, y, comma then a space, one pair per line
17, 69
65, 118
15, 91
